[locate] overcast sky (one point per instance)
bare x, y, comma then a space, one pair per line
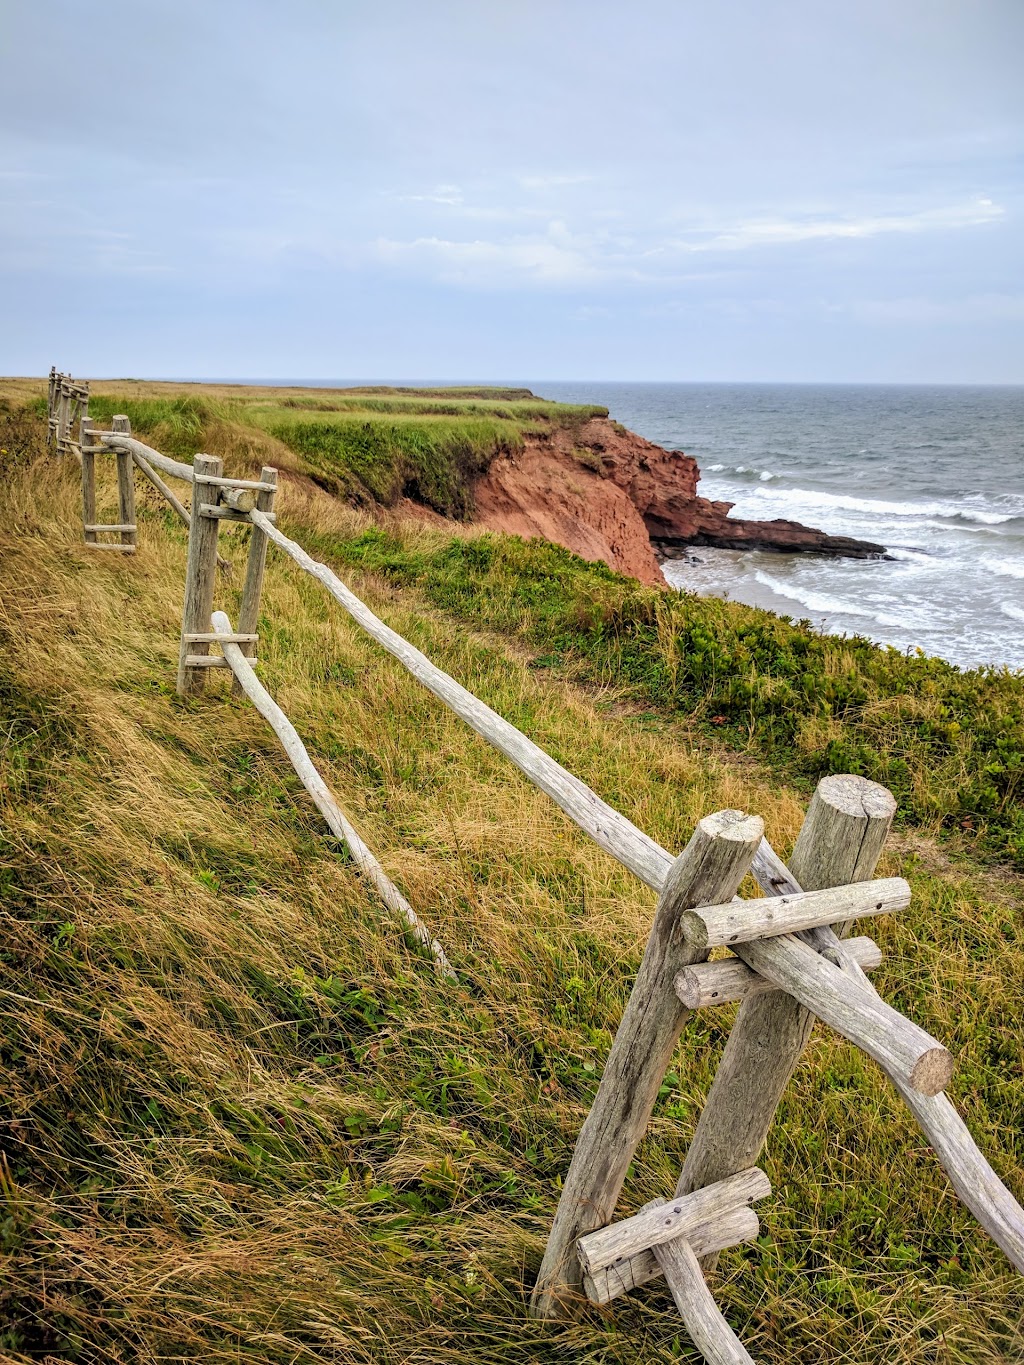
513, 189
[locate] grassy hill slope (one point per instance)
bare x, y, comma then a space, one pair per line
241, 1119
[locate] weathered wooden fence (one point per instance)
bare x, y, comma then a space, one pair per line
791, 963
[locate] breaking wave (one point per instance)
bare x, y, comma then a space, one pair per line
820, 601
803, 497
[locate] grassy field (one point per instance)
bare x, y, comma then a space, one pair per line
370, 446
242, 1121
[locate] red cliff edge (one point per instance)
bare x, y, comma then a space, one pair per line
606, 493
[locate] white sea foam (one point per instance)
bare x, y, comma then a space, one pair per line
1011, 609
820, 601
767, 474
1005, 568
912, 556
804, 497
714, 468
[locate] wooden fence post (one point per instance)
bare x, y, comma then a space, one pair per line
840, 842
125, 483
200, 572
88, 480
51, 402
708, 871
249, 612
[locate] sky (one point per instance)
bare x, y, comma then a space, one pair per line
744, 190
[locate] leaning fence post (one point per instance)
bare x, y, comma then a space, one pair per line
200, 572
125, 483
708, 871
249, 612
88, 481
840, 842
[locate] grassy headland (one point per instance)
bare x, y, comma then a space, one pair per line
242, 1121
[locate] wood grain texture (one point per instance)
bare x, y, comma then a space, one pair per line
200, 581
708, 1329
88, 456
729, 980
338, 822
256, 564
840, 843
740, 921
125, 483
853, 1009
731, 1229
710, 868
666, 1219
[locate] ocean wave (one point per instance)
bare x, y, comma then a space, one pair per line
804, 497
714, 468
1011, 609
912, 556
820, 601
1005, 568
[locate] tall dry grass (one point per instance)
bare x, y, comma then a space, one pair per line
242, 1120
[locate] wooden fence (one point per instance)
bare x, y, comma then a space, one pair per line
791, 963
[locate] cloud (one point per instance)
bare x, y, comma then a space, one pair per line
543, 260
975, 309
762, 232
548, 182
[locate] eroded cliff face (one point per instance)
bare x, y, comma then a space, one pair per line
606, 493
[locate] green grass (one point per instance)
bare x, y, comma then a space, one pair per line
948, 742
373, 445
240, 1119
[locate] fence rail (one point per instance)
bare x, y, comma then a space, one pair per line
792, 962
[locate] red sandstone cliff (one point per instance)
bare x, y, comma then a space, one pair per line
608, 494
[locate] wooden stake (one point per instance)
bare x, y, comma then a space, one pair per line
200, 581
708, 1329
125, 482
249, 611
88, 482
709, 869
840, 842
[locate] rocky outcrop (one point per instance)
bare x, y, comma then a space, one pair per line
606, 493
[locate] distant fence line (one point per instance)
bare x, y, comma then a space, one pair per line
792, 960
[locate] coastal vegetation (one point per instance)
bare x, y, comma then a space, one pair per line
242, 1121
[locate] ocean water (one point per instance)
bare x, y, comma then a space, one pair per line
935, 474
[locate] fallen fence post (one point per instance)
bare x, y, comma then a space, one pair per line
729, 979
708, 1329
340, 825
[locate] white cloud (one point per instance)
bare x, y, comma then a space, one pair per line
977, 308
760, 232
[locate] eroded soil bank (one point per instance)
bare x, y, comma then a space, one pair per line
607, 493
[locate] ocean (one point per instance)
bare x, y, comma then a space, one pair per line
935, 474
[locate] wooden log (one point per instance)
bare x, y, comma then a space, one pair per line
710, 868
721, 983
151, 456
741, 921
112, 545
88, 483
200, 580
969, 1173
50, 424
707, 1239
256, 564
240, 485
339, 824
116, 527
211, 637
154, 478
605, 825
840, 843
663, 1220
708, 1329
125, 483
231, 513
852, 1009
208, 661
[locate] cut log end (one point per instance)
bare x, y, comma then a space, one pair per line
932, 1071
